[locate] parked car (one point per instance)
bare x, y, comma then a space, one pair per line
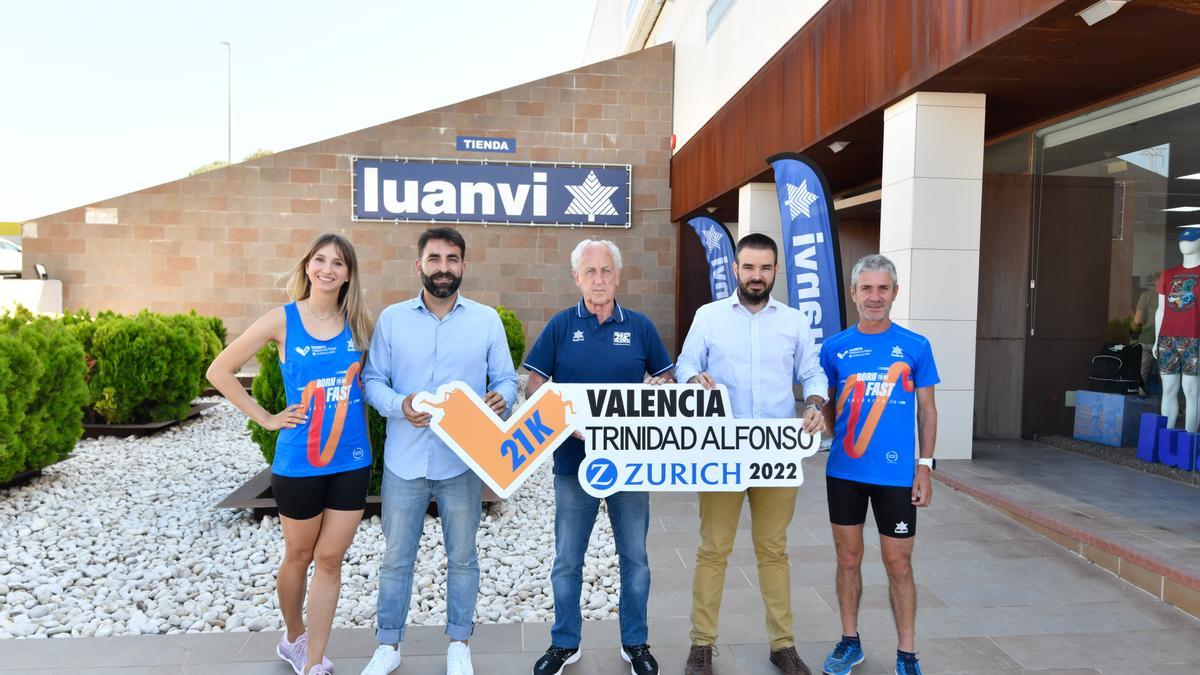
10, 259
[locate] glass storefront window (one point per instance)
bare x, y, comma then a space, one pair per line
1112, 189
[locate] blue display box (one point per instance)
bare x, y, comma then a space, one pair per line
1111, 419
1170, 442
1147, 444
1185, 458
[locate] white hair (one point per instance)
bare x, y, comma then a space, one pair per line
577, 254
873, 263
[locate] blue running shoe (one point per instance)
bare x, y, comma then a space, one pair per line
906, 667
844, 656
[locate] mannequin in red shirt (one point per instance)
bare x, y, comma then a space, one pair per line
1177, 332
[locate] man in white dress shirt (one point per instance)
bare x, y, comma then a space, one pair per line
757, 347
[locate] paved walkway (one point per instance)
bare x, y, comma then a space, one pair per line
1131, 508
995, 597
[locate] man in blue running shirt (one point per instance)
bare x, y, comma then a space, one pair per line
881, 393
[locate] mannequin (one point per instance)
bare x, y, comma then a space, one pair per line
1176, 329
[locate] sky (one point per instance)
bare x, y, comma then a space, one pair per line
98, 99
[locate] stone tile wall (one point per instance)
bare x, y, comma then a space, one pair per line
216, 241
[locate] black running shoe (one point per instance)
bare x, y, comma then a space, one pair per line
640, 660
555, 660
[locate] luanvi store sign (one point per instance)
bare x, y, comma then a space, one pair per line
489, 192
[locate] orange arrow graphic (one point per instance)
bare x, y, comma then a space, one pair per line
855, 449
317, 455
501, 452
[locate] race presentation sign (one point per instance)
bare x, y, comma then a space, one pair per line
637, 437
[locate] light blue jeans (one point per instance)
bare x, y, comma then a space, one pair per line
460, 504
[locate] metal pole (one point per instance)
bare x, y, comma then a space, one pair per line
229, 101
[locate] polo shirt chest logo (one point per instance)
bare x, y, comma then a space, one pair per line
577, 337
624, 339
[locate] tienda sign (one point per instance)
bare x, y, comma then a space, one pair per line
462, 191
637, 438
486, 144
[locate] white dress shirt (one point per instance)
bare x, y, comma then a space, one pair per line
757, 356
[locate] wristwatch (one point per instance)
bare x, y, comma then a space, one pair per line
812, 406
927, 461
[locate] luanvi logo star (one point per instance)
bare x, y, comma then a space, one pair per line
591, 199
799, 199
712, 239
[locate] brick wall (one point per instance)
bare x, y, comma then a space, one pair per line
214, 242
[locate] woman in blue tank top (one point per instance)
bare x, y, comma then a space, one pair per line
323, 454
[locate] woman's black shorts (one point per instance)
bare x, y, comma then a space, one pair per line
307, 497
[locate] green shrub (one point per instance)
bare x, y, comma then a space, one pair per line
83, 326
210, 332
20, 372
217, 326
147, 367
377, 430
53, 387
267, 389
120, 369
54, 420
515, 333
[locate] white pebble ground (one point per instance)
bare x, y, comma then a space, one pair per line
123, 538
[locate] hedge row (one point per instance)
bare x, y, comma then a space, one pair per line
147, 367
54, 373
42, 393
268, 390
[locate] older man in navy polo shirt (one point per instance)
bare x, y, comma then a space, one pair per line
597, 340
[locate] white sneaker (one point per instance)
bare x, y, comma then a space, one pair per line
383, 661
458, 659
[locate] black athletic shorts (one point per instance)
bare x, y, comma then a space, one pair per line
895, 514
307, 497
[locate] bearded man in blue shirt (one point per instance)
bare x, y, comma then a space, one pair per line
420, 344
597, 341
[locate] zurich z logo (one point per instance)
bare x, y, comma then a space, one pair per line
303, 351
602, 474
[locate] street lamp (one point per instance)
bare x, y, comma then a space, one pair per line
229, 101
